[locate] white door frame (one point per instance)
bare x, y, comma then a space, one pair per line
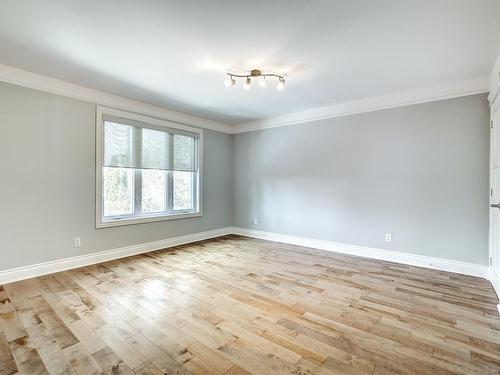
494, 100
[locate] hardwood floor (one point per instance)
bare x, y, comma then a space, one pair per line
236, 305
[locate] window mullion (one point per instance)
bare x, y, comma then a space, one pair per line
194, 195
195, 176
170, 173
138, 171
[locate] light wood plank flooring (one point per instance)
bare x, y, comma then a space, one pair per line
236, 306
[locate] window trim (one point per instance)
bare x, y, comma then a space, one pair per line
99, 163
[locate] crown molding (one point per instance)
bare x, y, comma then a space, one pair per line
445, 91
41, 82
36, 81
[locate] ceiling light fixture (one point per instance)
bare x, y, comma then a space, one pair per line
247, 84
254, 73
229, 81
281, 84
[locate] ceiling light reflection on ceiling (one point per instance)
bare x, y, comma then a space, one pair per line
254, 73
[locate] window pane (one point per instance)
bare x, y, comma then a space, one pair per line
118, 145
183, 153
183, 190
154, 153
153, 190
118, 188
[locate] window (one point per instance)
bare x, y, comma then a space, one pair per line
146, 169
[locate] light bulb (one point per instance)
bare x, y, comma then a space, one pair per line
229, 81
262, 82
247, 84
281, 84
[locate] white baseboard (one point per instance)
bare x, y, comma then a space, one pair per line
40, 269
35, 270
370, 252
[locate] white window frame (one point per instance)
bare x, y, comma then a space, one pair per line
146, 218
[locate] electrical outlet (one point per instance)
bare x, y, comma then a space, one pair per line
77, 242
255, 220
388, 237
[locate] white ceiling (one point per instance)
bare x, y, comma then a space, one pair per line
175, 53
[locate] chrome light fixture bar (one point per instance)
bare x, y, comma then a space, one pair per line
254, 74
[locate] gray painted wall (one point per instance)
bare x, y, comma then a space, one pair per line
47, 189
419, 172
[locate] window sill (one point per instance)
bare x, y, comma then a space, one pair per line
143, 220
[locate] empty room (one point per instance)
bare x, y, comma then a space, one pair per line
279, 187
